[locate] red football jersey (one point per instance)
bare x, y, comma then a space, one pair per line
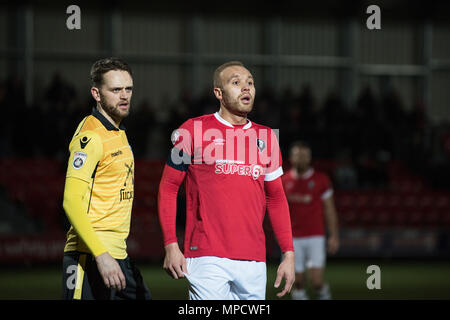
225, 175
305, 195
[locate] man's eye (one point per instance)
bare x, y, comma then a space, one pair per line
235, 82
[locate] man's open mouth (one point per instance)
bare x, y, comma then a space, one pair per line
246, 98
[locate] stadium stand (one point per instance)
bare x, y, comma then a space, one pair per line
379, 186
406, 203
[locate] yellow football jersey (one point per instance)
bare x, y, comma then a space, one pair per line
101, 155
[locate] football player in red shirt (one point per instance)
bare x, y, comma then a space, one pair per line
231, 168
310, 196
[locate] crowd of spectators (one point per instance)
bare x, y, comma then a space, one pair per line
361, 138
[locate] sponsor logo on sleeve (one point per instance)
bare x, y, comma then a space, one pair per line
79, 159
175, 136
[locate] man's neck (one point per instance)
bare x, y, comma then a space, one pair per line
232, 118
300, 172
108, 117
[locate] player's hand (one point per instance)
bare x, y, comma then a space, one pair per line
110, 271
332, 244
286, 271
174, 261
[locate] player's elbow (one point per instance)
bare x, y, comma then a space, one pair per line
73, 195
72, 202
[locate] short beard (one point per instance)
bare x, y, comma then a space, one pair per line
234, 105
113, 111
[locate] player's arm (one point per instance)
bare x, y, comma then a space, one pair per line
173, 175
82, 163
278, 211
74, 192
172, 178
331, 219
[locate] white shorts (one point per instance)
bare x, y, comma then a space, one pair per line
214, 278
310, 252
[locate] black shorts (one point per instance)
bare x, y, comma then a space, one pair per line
90, 285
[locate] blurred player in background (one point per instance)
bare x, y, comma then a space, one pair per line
98, 194
310, 197
227, 194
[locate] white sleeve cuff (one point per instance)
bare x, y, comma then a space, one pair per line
274, 174
327, 194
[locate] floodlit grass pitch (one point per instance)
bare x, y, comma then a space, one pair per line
347, 278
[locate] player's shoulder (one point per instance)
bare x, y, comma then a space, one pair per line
89, 123
185, 131
260, 126
189, 123
87, 133
271, 134
287, 176
85, 137
321, 175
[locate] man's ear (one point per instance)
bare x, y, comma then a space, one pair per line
218, 93
95, 94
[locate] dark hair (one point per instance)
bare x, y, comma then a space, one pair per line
216, 78
102, 66
300, 144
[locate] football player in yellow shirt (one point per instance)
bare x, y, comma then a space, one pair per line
98, 194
